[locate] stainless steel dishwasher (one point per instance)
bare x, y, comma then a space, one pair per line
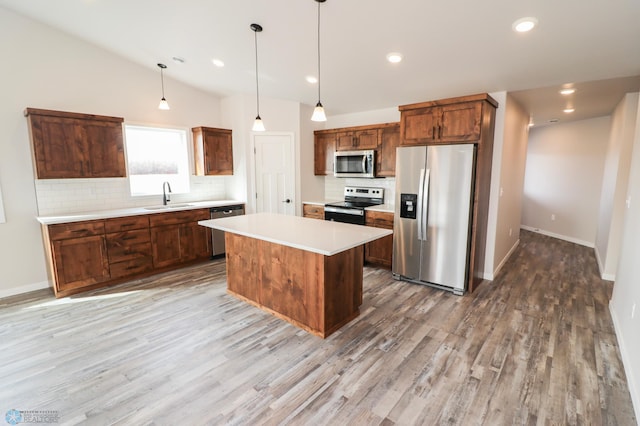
217, 237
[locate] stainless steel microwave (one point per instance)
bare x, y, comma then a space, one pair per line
354, 163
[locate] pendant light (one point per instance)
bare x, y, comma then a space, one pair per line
318, 112
258, 125
163, 102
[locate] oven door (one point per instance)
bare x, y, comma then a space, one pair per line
341, 214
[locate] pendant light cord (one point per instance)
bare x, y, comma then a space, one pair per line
162, 81
319, 52
255, 34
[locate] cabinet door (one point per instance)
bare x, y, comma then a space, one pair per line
345, 141
389, 141
419, 126
165, 245
218, 152
105, 148
460, 122
195, 242
72, 145
58, 151
324, 145
380, 251
366, 139
79, 262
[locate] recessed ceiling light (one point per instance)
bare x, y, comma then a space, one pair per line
567, 91
311, 79
523, 25
569, 110
553, 120
394, 57
218, 62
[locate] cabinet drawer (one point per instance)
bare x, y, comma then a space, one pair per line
120, 224
65, 231
175, 218
128, 245
313, 211
131, 267
379, 219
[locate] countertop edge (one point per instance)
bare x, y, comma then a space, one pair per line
132, 211
215, 224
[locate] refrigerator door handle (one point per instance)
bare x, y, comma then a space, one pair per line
420, 204
425, 206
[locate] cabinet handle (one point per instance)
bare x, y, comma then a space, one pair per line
439, 131
434, 132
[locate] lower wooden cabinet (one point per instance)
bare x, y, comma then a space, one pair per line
90, 254
80, 262
379, 252
129, 246
313, 211
177, 238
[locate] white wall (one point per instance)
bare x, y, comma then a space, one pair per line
512, 170
614, 185
563, 177
48, 69
278, 116
625, 302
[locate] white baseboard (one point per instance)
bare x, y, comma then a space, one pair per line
558, 236
491, 275
634, 388
24, 289
608, 277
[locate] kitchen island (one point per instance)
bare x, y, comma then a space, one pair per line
305, 271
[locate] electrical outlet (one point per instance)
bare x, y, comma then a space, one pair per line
501, 191
633, 311
510, 231
553, 217
628, 202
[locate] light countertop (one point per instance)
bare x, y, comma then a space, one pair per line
317, 236
135, 211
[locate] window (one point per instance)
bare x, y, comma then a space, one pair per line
156, 155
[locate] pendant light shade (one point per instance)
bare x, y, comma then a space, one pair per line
258, 125
318, 112
164, 105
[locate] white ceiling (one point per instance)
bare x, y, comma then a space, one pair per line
450, 48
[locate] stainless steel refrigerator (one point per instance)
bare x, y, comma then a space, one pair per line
434, 190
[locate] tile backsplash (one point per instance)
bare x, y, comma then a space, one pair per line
334, 187
62, 196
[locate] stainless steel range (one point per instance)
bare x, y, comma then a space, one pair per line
351, 210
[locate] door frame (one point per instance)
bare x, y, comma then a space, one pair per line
253, 184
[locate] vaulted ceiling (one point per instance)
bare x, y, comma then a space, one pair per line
450, 48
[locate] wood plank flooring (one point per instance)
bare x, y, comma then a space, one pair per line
536, 346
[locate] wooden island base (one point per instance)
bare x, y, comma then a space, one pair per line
312, 291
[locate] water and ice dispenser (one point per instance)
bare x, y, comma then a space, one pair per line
408, 205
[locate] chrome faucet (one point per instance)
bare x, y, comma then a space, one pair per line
165, 195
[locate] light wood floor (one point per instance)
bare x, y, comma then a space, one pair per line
535, 346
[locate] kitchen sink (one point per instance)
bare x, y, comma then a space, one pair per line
168, 206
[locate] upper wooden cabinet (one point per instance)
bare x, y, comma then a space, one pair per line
389, 141
324, 145
213, 150
454, 120
382, 138
72, 145
360, 139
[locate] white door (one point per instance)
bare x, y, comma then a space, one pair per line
275, 173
